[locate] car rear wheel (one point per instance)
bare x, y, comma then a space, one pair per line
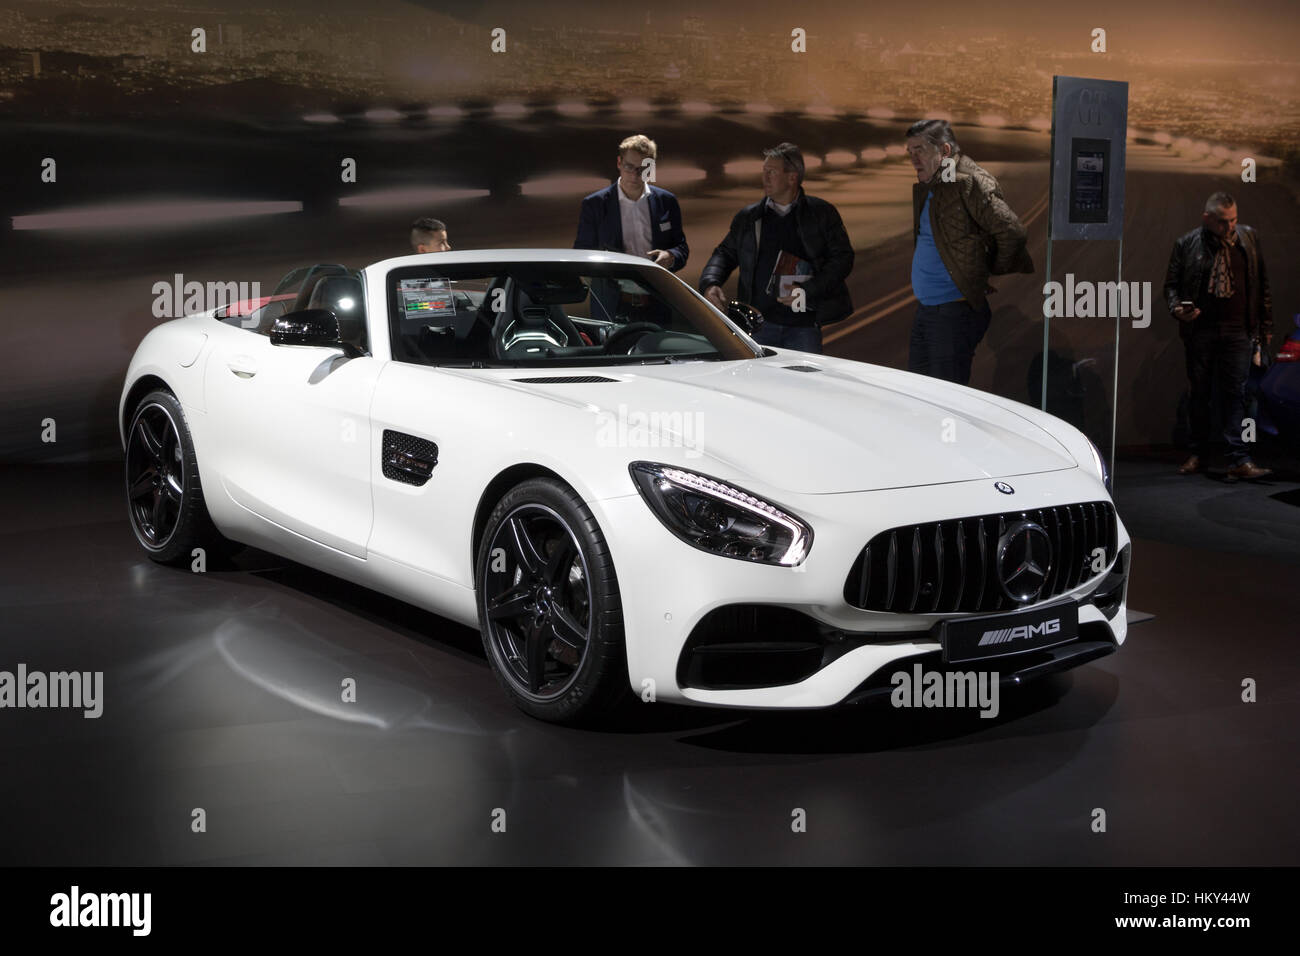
549, 607
164, 498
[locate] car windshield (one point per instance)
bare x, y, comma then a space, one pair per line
570, 314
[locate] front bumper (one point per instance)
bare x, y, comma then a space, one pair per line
716, 631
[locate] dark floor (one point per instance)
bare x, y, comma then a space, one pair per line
222, 689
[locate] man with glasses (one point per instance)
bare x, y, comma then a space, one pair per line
634, 216
793, 255
631, 215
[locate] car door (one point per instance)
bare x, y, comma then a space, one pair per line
291, 426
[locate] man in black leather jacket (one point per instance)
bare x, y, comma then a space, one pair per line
1217, 288
809, 230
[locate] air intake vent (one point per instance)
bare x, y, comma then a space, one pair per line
802, 368
408, 459
566, 380
951, 566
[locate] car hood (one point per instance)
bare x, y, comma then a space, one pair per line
840, 427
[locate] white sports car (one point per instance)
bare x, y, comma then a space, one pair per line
578, 454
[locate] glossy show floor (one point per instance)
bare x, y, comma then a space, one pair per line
222, 695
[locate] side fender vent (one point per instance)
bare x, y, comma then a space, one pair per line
408, 459
802, 368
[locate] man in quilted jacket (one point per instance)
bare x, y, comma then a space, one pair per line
964, 231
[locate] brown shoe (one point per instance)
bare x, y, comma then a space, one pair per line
1190, 466
1248, 470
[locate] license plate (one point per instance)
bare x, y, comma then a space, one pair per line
997, 635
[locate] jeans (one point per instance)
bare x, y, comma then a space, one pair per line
1222, 361
944, 339
805, 338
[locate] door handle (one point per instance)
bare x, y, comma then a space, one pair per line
242, 365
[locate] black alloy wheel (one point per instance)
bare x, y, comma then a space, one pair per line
164, 498
155, 475
548, 604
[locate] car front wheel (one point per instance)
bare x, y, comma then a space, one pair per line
549, 607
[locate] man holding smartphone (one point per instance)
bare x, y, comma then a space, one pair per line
1217, 288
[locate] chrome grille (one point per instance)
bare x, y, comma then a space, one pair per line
951, 566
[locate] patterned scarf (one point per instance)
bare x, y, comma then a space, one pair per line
1221, 272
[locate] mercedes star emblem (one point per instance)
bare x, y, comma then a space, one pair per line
1024, 561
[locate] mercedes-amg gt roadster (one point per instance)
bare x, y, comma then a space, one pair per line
578, 454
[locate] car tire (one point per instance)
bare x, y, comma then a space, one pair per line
164, 496
549, 607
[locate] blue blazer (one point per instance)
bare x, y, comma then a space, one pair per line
600, 226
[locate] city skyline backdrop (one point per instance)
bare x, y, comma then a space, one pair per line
1185, 63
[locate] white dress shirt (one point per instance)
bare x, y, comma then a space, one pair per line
637, 237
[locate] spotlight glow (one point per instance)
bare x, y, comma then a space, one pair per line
678, 174
556, 185
743, 167
149, 215
410, 196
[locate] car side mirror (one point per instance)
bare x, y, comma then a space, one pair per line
318, 327
744, 315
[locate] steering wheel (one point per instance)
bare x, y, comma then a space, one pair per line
637, 329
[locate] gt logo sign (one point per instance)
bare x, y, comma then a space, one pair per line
1002, 635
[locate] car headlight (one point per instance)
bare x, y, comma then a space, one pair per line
1100, 463
719, 518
